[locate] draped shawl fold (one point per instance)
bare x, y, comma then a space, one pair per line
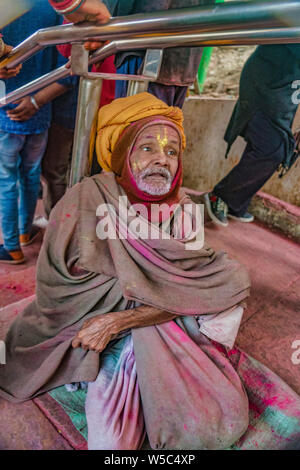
80, 276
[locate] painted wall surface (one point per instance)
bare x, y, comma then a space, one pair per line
205, 122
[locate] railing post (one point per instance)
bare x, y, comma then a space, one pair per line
87, 112
151, 69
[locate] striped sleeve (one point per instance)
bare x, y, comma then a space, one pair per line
65, 7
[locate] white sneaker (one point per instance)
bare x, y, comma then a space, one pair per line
247, 217
40, 221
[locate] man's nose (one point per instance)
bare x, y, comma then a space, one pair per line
161, 158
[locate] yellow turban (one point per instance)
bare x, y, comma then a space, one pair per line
116, 116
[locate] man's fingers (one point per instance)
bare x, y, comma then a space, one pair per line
15, 119
18, 102
23, 111
15, 116
93, 45
82, 339
7, 49
93, 343
6, 74
9, 73
76, 342
91, 10
98, 346
21, 118
16, 69
17, 112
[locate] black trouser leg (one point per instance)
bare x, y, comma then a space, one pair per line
55, 165
264, 152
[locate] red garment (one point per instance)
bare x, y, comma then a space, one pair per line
107, 66
108, 88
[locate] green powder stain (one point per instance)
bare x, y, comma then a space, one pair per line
73, 404
284, 426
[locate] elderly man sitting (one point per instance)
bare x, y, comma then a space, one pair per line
129, 315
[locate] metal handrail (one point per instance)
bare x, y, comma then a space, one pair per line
233, 23
236, 16
229, 38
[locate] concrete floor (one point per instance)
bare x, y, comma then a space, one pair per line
270, 326
271, 323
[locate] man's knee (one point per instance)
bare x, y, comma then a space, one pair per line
213, 427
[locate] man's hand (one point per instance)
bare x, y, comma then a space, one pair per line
90, 10
8, 73
24, 111
94, 11
97, 332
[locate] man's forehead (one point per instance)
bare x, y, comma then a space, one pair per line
159, 130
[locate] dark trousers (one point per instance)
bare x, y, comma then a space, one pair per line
264, 152
56, 164
172, 95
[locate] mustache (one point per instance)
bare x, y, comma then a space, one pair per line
159, 170
148, 187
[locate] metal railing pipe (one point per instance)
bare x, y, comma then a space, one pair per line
89, 98
229, 38
213, 18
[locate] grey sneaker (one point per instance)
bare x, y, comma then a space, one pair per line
247, 217
216, 208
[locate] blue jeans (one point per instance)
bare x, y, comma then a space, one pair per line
20, 169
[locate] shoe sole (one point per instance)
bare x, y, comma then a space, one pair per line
245, 221
31, 240
20, 261
211, 214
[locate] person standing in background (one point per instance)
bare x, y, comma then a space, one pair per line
263, 115
7, 73
57, 159
23, 137
179, 65
76, 11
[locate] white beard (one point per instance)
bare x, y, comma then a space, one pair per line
154, 189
